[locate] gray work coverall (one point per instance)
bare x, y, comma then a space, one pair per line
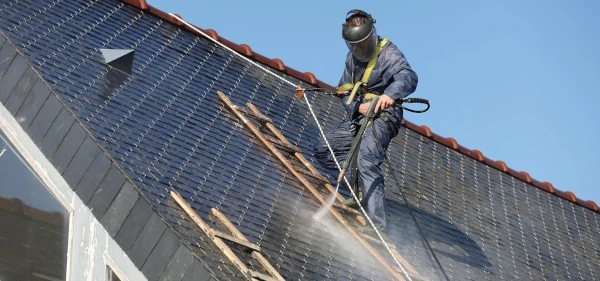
392, 76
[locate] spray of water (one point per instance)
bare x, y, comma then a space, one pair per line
340, 241
325, 208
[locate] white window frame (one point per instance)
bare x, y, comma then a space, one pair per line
55, 183
112, 267
36, 168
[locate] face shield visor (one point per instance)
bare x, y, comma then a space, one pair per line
361, 40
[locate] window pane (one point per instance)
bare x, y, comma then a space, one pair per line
34, 226
112, 276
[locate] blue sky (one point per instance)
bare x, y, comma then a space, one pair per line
517, 80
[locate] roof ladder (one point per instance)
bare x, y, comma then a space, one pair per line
313, 173
237, 237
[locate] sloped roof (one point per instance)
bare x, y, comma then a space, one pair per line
310, 78
167, 130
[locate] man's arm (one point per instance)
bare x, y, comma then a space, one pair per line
404, 77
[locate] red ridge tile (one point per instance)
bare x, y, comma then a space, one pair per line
415, 128
541, 185
322, 84
427, 131
262, 59
311, 77
478, 155
232, 45
466, 151
517, 175
588, 204
298, 74
592, 205
442, 140
566, 195
163, 15
526, 175
280, 65
137, 3
453, 142
247, 51
571, 196
550, 187
213, 34
502, 165
495, 164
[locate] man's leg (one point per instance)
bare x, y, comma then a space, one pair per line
370, 158
339, 139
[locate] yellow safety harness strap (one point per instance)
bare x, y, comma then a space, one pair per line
373, 60
366, 75
345, 87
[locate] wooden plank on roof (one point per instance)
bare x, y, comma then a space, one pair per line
299, 155
321, 179
255, 275
346, 209
233, 239
237, 234
257, 116
288, 147
208, 231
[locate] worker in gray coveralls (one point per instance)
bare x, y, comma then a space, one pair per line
390, 77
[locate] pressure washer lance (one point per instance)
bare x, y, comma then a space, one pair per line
370, 117
300, 91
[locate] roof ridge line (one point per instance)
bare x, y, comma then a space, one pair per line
310, 78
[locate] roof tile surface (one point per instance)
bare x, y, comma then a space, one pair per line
168, 130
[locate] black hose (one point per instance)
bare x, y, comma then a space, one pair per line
402, 101
370, 114
415, 100
406, 202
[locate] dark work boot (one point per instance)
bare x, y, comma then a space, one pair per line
350, 202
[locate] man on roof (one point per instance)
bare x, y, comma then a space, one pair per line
374, 65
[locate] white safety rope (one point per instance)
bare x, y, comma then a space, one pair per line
318, 125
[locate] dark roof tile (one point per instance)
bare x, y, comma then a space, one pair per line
168, 130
